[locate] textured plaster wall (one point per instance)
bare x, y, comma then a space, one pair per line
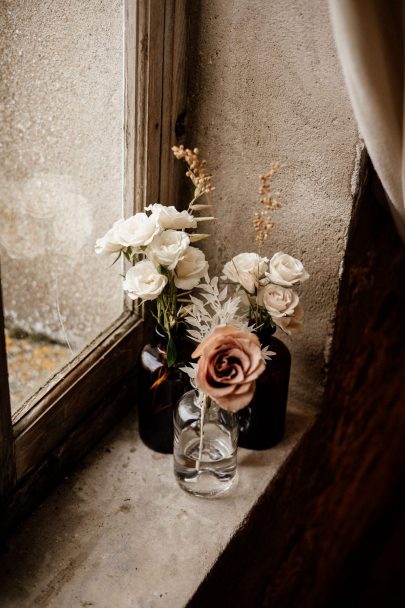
61, 104
267, 86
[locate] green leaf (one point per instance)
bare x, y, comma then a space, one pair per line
171, 352
117, 258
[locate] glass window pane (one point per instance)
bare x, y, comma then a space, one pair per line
61, 179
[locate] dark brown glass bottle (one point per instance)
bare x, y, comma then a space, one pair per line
160, 388
262, 422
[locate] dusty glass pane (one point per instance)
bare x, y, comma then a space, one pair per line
61, 159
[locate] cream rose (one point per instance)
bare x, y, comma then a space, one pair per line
168, 248
292, 324
169, 217
286, 270
229, 362
110, 242
246, 269
190, 269
144, 281
138, 231
279, 301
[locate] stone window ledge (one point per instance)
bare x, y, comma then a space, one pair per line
119, 533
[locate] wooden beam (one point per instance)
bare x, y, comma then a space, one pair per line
174, 99
161, 91
130, 107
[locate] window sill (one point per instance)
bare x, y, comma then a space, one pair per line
119, 532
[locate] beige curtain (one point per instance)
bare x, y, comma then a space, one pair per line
369, 37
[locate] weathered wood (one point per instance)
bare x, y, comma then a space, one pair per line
149, 81
174, 99
71, 450
374, 575
7, 462
348, 468
130, 106
75, 395
161, 97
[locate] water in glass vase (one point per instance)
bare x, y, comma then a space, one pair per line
204, 465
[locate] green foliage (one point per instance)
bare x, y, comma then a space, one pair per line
171, 352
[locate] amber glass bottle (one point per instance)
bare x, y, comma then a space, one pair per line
262, 422
160, 388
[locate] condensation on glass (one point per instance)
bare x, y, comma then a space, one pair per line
61, 179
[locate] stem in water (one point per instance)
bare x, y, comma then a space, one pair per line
200, 450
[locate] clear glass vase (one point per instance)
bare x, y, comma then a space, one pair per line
205, 446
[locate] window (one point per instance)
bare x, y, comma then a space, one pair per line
94, 89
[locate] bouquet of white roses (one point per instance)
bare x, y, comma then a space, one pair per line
268, 285
158, 244
268, 288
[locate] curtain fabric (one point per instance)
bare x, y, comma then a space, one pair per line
369, 37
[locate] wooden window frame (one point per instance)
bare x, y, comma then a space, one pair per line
58, 424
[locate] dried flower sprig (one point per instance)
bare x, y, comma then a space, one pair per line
197, 170
262, 221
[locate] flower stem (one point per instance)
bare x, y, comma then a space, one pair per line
200, 448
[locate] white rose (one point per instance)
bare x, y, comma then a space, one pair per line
168, 248
144, 281
110, 242
246, 269
190, 269
291, 324
138, 231
279, 301
286, 270
169, 217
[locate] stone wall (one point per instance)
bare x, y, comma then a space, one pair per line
266, 85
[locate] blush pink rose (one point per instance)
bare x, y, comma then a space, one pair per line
229, 362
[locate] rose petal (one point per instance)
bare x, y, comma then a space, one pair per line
256, 371
234, 403
242, 388
237, 378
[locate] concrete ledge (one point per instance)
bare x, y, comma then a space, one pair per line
119, 533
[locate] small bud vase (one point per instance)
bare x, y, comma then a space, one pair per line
262, 422
205, 446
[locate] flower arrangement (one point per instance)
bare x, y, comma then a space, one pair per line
229, 361
165, 265
229, 355
268, 285
268, 288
